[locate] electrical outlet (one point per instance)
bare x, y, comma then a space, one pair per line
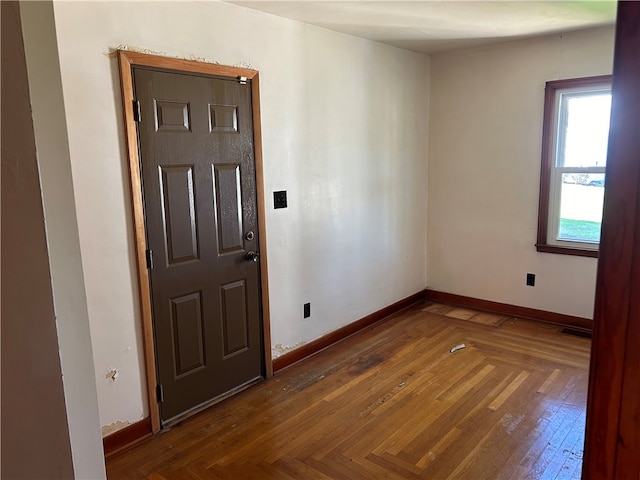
531, 279
307, 310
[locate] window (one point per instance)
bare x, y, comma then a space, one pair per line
574, 157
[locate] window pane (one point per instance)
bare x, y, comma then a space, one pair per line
583, 143
581, 199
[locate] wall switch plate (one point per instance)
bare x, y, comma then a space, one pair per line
280, 199
307, 310
531, 279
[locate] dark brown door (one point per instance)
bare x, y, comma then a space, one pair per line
198, 171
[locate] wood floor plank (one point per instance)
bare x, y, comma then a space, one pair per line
417, 427
438, 448
391, 402
507, 392
549, 381
569, 419
297, 470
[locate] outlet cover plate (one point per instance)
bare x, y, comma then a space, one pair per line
280, 199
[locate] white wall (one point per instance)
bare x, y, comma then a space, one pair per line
484, 166
344, 131
63, 244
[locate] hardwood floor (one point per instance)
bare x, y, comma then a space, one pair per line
393, 403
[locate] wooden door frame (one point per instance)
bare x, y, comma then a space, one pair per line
126, 61
612, 438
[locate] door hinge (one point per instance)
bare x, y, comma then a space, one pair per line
242, 80
149, 255
159, 393
137, 114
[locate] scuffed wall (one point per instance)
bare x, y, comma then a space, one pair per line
344, 128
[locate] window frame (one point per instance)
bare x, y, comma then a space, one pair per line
549, 130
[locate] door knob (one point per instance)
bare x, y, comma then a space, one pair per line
252, 256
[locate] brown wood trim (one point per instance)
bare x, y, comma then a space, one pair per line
579, 252
131, 137
262, 224
548, 125
127, 437
126, 61
190, 66
545, 168
331, 338
511, 310
612, 440
580, 81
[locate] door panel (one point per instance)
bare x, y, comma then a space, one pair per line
179, 213
234, 318
198, 171
186, 320
228, 207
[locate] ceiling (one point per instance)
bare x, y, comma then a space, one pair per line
432, 27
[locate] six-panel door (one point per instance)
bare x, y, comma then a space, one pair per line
198, 171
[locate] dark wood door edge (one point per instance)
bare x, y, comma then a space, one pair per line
127, 437
580, 323
612, 439
331, 338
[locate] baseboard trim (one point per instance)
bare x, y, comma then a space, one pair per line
331, 338
127, 437
511, 310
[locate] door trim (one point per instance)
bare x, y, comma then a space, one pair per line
126, 61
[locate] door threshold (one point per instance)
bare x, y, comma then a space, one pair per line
181, 417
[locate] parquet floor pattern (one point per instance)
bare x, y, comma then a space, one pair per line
393, 403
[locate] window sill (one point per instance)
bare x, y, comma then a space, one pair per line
579, 252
